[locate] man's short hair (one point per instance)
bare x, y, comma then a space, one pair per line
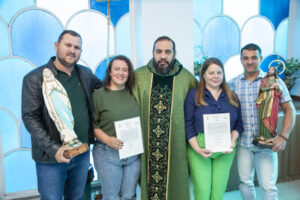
71, 32
251, 47
162, 38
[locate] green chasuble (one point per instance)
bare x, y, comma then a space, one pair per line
164, 166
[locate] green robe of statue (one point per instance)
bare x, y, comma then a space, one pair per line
164, 166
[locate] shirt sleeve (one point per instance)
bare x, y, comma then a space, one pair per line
239, 123
231, 85
32, 112
189, 109
97, 108
285, 92
97, 83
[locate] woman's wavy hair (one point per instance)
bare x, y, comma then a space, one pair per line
199, 98
131, 79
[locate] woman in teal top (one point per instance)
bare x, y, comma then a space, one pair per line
115, 102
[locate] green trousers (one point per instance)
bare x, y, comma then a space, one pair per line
209, 175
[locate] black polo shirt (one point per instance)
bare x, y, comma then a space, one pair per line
78, 102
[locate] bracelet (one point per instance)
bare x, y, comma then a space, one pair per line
285, 138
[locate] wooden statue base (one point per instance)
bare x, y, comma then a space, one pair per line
75, 151
98, 197
261, 143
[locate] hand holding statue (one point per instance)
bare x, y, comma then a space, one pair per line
59, 156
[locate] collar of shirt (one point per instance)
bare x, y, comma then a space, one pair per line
209, 97
261, 75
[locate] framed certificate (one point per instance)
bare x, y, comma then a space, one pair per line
217, 132
129, 131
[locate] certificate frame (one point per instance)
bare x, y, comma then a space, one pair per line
217, 132
129, 131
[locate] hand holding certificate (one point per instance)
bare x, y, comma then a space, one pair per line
217, 132
129, 131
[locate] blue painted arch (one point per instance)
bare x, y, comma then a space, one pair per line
221, 38
40, 30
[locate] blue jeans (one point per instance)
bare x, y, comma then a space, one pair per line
119, 178
63, 179
265, 162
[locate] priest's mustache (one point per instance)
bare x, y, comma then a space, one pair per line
163, 60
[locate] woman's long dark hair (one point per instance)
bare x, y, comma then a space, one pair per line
199, 98
130, 81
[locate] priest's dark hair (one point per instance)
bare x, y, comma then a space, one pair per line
199, 97
131, 79
162, 38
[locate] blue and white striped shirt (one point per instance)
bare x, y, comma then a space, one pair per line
247, 92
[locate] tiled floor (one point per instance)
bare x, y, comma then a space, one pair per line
287, 191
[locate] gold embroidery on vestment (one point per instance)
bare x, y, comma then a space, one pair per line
157, 155
160, 107
157, 177
155, 197
158, 131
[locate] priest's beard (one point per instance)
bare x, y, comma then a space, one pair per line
162, 69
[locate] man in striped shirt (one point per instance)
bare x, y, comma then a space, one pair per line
249, 156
